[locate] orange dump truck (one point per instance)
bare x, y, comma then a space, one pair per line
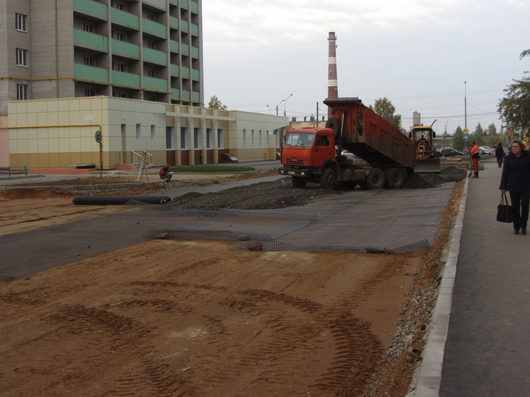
316, 154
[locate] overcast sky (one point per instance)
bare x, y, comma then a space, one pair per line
417, 53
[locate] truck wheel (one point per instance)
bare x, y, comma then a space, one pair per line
394, 178
298, 181
375, 179
328, 180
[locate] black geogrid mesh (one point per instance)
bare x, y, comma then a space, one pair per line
279, 246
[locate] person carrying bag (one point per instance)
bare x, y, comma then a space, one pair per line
516, 179
504, 210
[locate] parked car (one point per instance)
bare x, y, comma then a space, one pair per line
486, 150
448, 151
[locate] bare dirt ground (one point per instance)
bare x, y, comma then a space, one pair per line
189, 318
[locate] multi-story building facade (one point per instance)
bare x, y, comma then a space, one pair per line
139, 49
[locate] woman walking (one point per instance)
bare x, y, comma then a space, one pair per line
516, 179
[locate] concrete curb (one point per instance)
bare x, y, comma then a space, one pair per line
429, 375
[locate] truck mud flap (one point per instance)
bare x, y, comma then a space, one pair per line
430, 166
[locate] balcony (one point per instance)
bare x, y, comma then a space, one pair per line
174, 46
173, 23
154, 56
91, 73
174, 2
92, 41
195, 52
184, 72
154, 28
184, 26
160, 4
195, 74
175, 94
185, 95
194, 7
184, 49
184, 4
126, 19
125, 49
174, 70
91, 8
126, 79
195, 97
155, 84
194, 30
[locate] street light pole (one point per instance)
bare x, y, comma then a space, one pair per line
465, 106
279, 105
285, 104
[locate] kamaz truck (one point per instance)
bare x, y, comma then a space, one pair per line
315, 154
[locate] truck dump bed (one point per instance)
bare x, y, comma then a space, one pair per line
367, 135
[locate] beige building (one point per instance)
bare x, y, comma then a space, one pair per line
140, 49
60, 133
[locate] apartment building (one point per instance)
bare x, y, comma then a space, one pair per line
139, 49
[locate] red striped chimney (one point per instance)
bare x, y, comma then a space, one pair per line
332, 68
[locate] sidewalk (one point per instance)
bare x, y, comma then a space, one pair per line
487, 352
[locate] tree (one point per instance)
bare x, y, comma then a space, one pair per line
458, 139
525, 53
384, 108
492, 130
479, 131
215, 103
515, 106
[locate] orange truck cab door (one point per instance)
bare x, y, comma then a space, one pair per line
323, 148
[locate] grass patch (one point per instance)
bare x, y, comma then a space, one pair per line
211, 168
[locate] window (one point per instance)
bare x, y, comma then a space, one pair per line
196, 138
183, 137
153, 131
208, 138
138, 131
22, 92
88, 27
22, 57
244, 137
90, 92
322, 140
152, 73
89, 61
21, 22
220, 139
169, 137
119, 66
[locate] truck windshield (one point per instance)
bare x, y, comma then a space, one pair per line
300, 139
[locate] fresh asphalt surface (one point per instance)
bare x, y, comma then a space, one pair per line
487, 352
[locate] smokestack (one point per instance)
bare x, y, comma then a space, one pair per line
332, 68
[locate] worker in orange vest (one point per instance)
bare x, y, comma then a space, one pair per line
475, 157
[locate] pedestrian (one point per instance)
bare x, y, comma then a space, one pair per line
499, 154
516, 180
475, 157
165, 174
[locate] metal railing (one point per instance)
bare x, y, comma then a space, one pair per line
141, 161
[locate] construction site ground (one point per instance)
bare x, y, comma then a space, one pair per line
258, 290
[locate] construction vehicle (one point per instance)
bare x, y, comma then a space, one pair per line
427, 159
314, 154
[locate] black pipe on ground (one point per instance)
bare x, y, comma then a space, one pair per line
120, 200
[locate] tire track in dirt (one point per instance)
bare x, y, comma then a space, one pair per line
287, 341
143, 373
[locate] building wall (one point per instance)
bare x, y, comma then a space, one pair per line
60, 133
4, 142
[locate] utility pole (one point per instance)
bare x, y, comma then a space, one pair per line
465, 107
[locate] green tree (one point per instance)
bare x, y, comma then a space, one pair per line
215, 103
384, 108
479, 131
458, 139
492, 130
515, 106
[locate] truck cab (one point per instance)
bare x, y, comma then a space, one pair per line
306, 152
